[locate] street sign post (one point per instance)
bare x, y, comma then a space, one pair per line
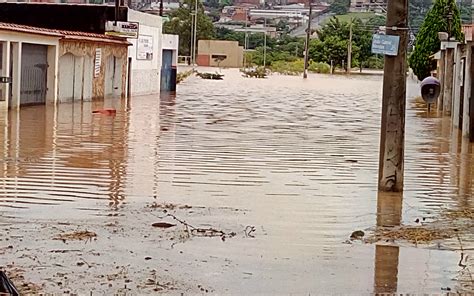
122, 29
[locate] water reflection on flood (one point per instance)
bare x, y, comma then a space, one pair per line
65, 154
300, 156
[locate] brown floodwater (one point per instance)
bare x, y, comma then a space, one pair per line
297, 159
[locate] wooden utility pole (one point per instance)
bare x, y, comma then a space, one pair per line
349, 50
306, 46
392, 136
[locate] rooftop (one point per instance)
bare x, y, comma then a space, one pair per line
63, 34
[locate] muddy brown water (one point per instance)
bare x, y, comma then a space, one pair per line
295, 158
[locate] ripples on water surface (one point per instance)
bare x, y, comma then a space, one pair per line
300, 156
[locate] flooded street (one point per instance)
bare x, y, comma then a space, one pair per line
285, 168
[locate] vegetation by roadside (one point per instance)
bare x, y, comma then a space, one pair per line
183, 75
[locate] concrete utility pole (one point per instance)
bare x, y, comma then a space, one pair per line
442, 78
265, 44
448, 81
392, 136
191, 40
349, 50
195, 33
467, 123
306, 46
245, 39
117, 7
459, 73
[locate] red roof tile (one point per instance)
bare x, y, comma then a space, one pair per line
63, 34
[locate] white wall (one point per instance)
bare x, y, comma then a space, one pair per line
145, 76
171, 42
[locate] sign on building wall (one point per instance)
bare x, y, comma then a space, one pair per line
97, 62
145, 47
122, 29
385, 44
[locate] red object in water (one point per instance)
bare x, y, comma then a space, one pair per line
105, 111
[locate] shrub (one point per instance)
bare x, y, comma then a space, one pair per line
319, 68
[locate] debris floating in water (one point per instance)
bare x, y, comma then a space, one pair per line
105, 111
77, 235
212, 76
358, 234
163, 225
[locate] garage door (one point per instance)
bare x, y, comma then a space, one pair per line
34, 69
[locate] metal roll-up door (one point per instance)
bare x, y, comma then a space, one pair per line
34, 69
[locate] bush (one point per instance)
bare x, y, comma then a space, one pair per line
375, 62
319, 68
296, 67
288, 68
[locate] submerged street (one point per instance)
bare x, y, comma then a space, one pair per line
262, 182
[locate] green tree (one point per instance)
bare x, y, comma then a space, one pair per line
180, 24
333, 48
427, 41
417, 10
376, 21
340, 6
334, 40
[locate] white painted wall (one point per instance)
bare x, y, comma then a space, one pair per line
5, 71
72, 78
171, 42
145, 76
88, 77
66, 78
113, 77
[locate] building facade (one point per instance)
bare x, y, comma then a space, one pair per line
144, 55
368, 6
50, 66
220, 53
142, 63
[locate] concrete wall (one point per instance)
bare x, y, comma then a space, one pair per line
12, 44
78, 58
171, 42
209, 49
145, 74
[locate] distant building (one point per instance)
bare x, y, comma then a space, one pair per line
154, 7
252, 2
368, 6
220, 53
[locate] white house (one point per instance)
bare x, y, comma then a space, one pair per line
144, 55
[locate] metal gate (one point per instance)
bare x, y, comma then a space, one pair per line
168, 72
34, 69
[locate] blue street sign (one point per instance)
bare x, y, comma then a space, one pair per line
385, 44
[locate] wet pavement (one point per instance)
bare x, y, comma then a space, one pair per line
288, 165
